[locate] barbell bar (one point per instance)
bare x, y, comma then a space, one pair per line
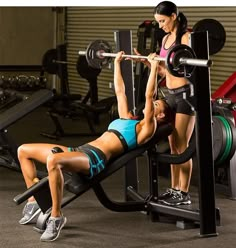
51, 62
184, 61
103, 54
180, 60
63, 62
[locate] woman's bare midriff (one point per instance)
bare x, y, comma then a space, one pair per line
173, 82
109, 144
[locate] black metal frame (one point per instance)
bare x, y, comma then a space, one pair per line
207, 214
202, 96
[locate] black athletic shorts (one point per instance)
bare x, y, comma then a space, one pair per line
97, 159
176, 101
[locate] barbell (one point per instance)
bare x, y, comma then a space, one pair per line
51, 64
180, 60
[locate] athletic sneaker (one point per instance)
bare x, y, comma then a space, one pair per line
169, 193
54, 226
30, 213
178, 198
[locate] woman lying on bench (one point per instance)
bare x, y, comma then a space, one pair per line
123, 134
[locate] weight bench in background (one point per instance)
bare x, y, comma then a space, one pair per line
69, 107
8, 149
79, 184
9, 98
76, 110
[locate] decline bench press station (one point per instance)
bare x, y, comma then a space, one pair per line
184, 62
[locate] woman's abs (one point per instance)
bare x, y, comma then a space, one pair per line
173, 82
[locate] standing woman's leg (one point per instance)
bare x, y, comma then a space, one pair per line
184, 125
175, 170
180, 173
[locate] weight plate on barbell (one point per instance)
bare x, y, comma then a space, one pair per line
93, 54
173, 63
216, 34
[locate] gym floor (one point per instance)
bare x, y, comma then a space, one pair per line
89, 224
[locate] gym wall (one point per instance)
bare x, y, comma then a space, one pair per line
86, 24
26, 33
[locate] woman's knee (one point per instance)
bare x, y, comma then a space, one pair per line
181, 147
178, 146
52, 162
21, 151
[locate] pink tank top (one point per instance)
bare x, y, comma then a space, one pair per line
164, 51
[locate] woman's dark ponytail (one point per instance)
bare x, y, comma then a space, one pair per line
182, 27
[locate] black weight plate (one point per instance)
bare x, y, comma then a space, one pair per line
86, 71
92, 54
183, 53
219, 138
172, 60
48, 61
216, 34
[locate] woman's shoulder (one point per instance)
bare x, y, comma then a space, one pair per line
186, 34
185, 38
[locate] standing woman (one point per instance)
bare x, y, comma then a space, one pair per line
174, 23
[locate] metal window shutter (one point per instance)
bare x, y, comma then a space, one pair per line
86, 24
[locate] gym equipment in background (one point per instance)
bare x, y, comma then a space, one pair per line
11, 114
69, 107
